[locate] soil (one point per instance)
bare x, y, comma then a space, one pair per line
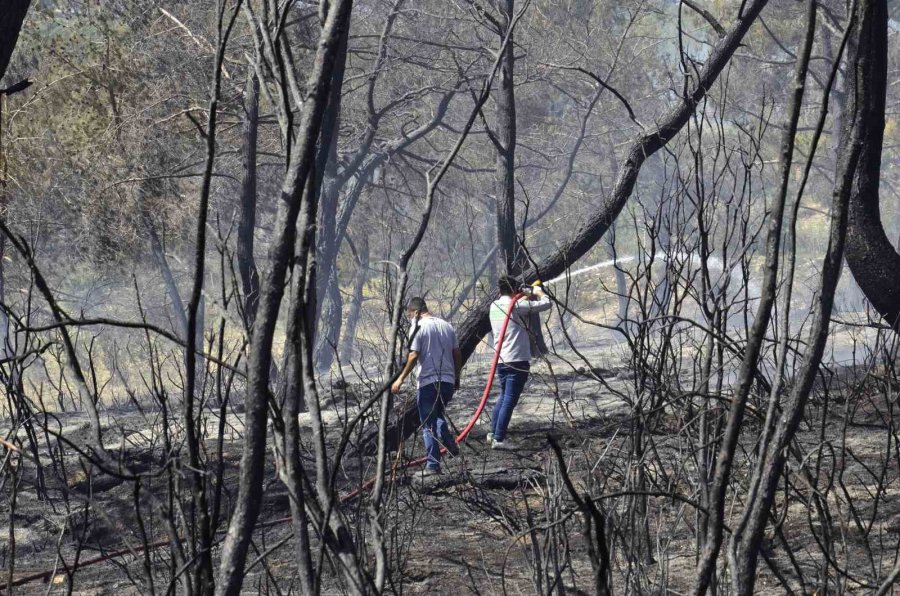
471, 530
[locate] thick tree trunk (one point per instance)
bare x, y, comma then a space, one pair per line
11, 17
247, 220
476, 324
272, 283
324, 190
509, 255
870, 253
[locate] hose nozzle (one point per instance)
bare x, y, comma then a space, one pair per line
528, 290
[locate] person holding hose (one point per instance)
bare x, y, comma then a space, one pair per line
434, 352
515, 353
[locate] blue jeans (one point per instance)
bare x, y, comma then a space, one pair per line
513, 377
435, 430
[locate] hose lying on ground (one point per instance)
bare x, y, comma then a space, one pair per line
48, 575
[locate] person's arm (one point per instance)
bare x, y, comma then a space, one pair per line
410, 363
457, 365
529, 304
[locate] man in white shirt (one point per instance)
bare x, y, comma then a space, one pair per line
515, 353
434, 351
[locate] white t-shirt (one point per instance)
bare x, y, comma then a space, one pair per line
516, 343
434, 341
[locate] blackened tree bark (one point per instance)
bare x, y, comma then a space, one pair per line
868, 36
331, 321
334, 214
476, 324
271, 292
325, 191
511, 255
511, 258
870, 254
327, 245
247, 220
201, 546
721, 475
11, 17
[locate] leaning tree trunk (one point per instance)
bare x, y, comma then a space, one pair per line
476, 324
870, 254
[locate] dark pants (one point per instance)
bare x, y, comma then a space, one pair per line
513, 377
436, 432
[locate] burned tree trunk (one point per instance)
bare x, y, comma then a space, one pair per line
721, 475
870, 254
272, 284
509, 255
327, 243
868, 53
476, 324
247, 220
11, 18
324, 190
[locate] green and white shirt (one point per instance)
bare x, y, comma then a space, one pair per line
516, 344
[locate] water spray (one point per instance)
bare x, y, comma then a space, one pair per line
713, 262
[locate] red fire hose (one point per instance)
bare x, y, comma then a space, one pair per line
475, 416
48, 575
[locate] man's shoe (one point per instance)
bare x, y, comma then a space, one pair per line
490, 438
452, 448
501, 445
428, 472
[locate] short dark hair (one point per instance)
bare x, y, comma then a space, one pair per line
508, 285
417, 304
